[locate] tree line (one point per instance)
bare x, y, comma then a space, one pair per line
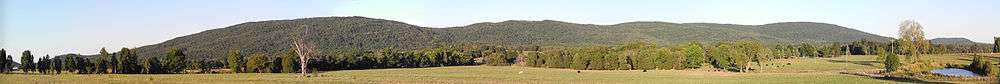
737, 55
123, 62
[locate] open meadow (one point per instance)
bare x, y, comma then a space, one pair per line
782, 71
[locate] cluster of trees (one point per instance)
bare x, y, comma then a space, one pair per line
175, 61
631, 56
733, 56
982, 67
123, 62
259, 63
383, 58
6, 62
912, 45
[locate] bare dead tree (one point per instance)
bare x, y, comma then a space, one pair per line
303, 48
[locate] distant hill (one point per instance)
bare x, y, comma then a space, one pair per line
271, 37
955, 41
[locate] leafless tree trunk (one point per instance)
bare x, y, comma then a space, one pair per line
303, 49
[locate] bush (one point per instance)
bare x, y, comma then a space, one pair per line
891, 62
982, 67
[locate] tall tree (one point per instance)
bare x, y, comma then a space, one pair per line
127, 62
43, 65
56, 64
3, 61
27, 62
288, 62
912, 41
304, 49
175, 61
101, 63
10, 63
695, 55
235, 61
69, 62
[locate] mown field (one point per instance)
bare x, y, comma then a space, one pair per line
783, 71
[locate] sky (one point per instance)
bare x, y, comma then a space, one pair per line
55, 27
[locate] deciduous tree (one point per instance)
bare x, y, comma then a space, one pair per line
175, 61
288, 62
912, 41
151, 65
695, 55
235, 61
102, 62
27, 62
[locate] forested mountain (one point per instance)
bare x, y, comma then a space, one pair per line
361, 33
955, 41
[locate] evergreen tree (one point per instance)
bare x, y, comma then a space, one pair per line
27, 62
43, 65
980, 66
69, 62
56, 64
3, 61
10, 63
235, 61
891, 62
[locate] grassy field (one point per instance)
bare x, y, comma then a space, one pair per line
784, 71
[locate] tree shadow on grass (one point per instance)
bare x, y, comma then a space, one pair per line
897, 79
866, 63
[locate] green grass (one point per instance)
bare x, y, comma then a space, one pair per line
801, 70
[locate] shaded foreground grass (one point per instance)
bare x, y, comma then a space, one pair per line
785, 71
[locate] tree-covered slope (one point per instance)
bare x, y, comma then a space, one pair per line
330, 33
955, 41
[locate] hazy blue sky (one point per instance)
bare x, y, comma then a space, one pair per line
53, 27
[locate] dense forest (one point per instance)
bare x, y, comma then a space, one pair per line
361, 33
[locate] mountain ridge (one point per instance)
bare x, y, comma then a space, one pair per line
363, 33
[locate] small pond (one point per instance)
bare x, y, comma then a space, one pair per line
954, 72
